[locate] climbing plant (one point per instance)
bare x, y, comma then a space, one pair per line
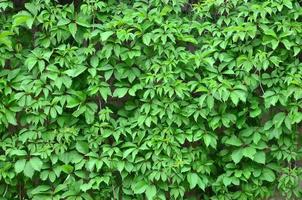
150, 99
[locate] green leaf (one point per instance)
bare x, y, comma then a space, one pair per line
249, 152
288, 4
30, 62
40, 189
148, 121
28, 170
150, 97
105, 92
94, 61
89, 115
147, 38
127, 152
52, 176
150, 192
237, 95
241, 95
256, 137
234, 140
82, 147
255, 113
260, 157
23, 17
268, 31
11, 117
120, 92
193, 179
268, 175
72, 102
53, 113
202, 183
5, 39
139, 187
207, 139
20, 165
36, 163
75, 71
67, 168
237, 155
105, 35
201, 100
234, 98
227, 181
72, 29
278, 119
210, 102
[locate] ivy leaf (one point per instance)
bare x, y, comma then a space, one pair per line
234, 140
10, 116
105, 35
150, 94
268, 175
52, 177
139, 187
150, 192
22, 17
36, 163
234, 98
249, 152
237, 156
67, 169
227, 181
28, 170
127, 152
72, 102
193, 179
288, 4
94, 61
105, 92
201, 100
147, 38
72, 29
75, 71
278, 119
120, 92
207, 139
237, 95
40, 189
256, 137
30, 62
82, 147
210, 102
53, 113
20, 165
4, 38
260, 157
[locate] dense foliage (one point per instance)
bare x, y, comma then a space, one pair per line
150, 99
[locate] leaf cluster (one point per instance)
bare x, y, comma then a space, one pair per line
150, 99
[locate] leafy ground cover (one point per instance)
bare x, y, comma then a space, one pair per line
150, 99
